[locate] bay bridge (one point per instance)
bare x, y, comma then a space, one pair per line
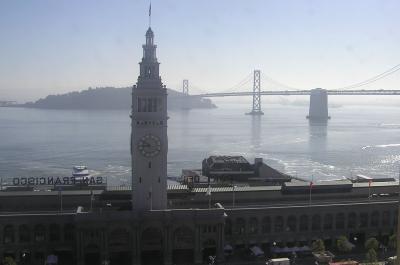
318, 109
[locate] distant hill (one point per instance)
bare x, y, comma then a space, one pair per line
112, 98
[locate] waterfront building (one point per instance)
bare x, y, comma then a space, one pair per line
149, 223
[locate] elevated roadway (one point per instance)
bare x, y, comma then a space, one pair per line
381, 92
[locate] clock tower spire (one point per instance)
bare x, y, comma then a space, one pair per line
149, 142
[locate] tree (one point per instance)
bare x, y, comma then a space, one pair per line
371, 255
9, 261
343, 245
372, 243
318, 246
393, 241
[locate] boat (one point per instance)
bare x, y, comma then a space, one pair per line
80, 172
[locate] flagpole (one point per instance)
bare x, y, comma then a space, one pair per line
311, 184
61, 202
209, 198
233, 196
369, 190
91, 200
208, 193
151, 197
150, 15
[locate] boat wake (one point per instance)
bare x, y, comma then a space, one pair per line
380, 146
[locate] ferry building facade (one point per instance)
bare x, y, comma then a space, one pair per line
156, 224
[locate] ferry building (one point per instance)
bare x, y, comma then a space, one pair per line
152, 223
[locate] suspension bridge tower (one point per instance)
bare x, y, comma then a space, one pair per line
185, 87
256, 94
318, 111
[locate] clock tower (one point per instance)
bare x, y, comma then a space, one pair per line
149, 142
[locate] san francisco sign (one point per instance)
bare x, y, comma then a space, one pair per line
65, 181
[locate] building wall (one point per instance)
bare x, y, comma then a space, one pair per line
273, 225
121, 237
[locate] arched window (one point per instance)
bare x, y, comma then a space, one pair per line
278, 224
352, 221
24, 234
228, 227
118, 237
375, 219
183, 238
152, 237
291, 223
340, 221
253, 225
39, 233
386, 218
266, 225
8, 234
303, 223
69, 232
240, 226
54, 233
328, 221
316, 223
363, 220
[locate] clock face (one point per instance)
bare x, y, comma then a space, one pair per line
149, 145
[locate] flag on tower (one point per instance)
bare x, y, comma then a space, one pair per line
311, 185
369, 183
150, 10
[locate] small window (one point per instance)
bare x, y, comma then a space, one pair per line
140, 180
149, 164
145, 104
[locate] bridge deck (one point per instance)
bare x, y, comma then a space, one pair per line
380, 92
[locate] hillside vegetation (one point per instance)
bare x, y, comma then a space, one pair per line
112, 98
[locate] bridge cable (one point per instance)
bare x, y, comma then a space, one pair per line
279, 84
372, 79
240, 84
244, 81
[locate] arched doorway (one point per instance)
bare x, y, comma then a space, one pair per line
152, 246
92, 255
119, 247
183, 246
209, 249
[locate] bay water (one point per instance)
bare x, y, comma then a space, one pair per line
357, 140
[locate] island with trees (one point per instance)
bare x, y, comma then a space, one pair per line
112, 98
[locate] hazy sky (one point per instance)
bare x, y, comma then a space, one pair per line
52, 47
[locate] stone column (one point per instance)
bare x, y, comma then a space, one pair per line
79, 247
16, 234
198, 259
17, 254
167, 245
105, 253
220, 243
136, 249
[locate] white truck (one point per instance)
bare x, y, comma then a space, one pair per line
281, 261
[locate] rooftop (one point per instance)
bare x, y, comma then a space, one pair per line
228, 159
